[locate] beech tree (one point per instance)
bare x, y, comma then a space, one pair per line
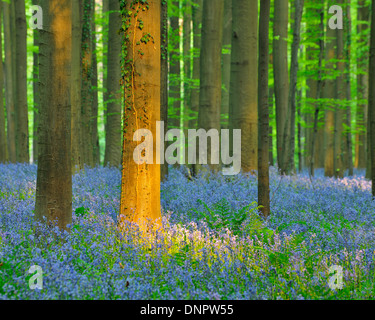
140, 184
54, 177
263, 115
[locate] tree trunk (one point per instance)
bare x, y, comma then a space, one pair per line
175, 70
339, 112
210, 67
243, 99
164, 76
288, 159
329, 93
140, 185
22, 123
113, 127
54, 178
263, 104
3, 138
315, 137
226, 63
271, 110
94, 90
87, 94
76, 89
280, 63
35, 91
362, 86
197, 21
9, 84
371, 105
348, 136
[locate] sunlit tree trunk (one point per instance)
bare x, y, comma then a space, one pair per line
210, 68
243, 100
54, 177
140, 185
263, 105
113, 127
9, 84
280, 63
22, 123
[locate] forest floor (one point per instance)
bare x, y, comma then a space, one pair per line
214, 244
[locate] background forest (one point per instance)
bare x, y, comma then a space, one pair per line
295, 76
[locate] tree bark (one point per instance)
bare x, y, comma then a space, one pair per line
9, 84
76, 89
164, 76
280, 62
226, 63
371, 106
329, 93
3, 138
35, 91
288, 159
87, 94
210, 67
263, 105
140, 185
113, 127
243, 99
54, 178
22, 123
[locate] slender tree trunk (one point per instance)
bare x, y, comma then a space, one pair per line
174, 71
76, 88
210, 67
288, 159
339, 112
263, 115
94, 90
197, 21
35, 91
22, 123
87, 94
3, 138
9, 84
243, 100
271, 110
349, 147
140, 185
54, 179
197, 24
113, 128
319, 85
164, 77
226, 62
280, 63
371, 106
329, 93
187, 61
362, 86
